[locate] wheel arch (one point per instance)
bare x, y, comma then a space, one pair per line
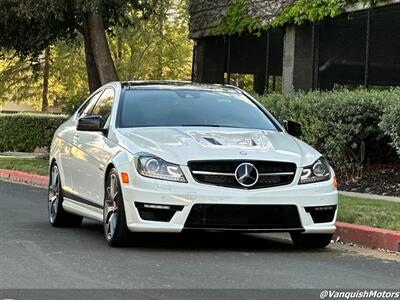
52, 162
110, 166
120, 162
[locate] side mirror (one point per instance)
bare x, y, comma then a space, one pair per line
91, 123
293, 128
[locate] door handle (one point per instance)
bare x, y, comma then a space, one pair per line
75, 139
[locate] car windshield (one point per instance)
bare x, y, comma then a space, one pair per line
172, 108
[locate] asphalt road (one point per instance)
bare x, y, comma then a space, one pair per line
35, 255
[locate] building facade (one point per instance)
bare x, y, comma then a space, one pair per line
357, 48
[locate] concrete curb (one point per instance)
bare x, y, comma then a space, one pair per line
351, 233
24, 177
368, 236
370, 196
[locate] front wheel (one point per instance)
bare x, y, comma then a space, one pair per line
315, 241
114, 220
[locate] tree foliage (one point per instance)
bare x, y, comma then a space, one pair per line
154, 47
28, 27
316, 10
20, 82
238, 19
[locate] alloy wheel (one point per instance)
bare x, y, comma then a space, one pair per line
54, 194
111, 207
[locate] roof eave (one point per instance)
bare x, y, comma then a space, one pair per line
362, 6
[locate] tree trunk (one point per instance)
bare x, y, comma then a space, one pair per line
161, 20
46, 75
100, 48
94, 81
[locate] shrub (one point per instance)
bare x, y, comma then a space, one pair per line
391, 123
24, 132
72, 104
343, 125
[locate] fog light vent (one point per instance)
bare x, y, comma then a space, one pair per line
157, 212
322, 214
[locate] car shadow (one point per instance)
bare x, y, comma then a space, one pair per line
205, 241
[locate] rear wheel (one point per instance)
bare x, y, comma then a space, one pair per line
315, 241
58, 217
114, 220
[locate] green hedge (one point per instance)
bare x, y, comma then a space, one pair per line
391, 123
343, 125
24, 132
351, 128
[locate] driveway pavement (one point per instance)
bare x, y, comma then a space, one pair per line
35, 255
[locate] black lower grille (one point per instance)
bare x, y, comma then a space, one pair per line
222, 173
232, 216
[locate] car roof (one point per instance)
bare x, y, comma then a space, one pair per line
177, 85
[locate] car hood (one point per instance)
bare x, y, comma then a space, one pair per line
182, 144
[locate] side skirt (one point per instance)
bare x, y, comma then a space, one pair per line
78, 206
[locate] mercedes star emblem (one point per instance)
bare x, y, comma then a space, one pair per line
246, 174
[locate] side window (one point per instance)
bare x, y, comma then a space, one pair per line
103, 107
87, 108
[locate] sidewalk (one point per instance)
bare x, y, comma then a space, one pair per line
370, 196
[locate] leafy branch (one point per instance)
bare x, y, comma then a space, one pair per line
239, 20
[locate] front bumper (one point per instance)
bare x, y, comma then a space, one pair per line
186, 195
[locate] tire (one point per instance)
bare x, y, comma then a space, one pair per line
116, 231
311, 241
58, 217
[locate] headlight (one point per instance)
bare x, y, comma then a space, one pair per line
155, 167
318, 171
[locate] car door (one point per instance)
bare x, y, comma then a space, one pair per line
65, 142
87, 171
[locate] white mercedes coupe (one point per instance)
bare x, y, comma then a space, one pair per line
171, 156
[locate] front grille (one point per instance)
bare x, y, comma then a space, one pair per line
222, 173
233, 216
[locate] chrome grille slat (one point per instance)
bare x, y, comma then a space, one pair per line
222, 173
233, 174
277, 174
213, 173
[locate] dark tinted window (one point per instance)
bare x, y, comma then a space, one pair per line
143, 108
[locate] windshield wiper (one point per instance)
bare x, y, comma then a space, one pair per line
200, 125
